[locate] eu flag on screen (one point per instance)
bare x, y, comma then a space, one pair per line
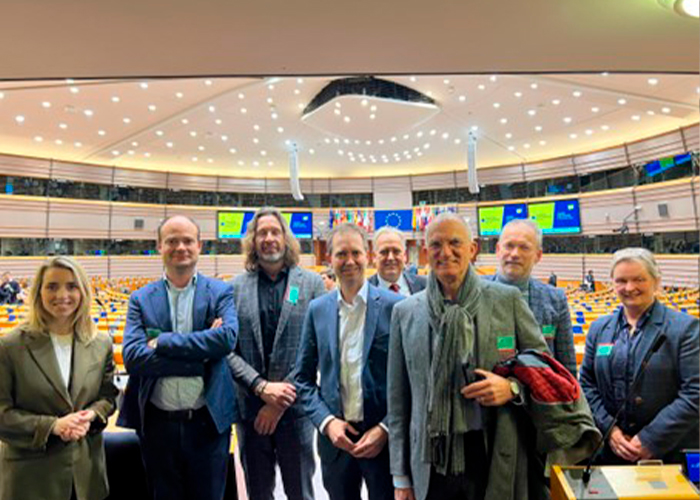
400, 219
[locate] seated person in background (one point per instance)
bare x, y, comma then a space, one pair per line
552, 279
662, 417
390, 252
519, 249
589, 282
56, 392
328, 277
10, 290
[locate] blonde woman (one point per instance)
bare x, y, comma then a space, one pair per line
56, 392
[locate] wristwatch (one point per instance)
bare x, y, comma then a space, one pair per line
515, 390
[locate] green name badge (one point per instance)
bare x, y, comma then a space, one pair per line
293, 294
604, 349
506, 343
548, 331
152, 333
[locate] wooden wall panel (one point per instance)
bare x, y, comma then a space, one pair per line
599, 161
205, 217
656, 147
141, 178
124, 215
560, 167
601, 213
691, 135
80, 172
677, 197
78, 219
351, 185
192, 182
444, 180
240, 185
22, 216
501, 175
21, 166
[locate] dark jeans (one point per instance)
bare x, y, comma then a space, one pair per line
343, 473
471, 485
185, 459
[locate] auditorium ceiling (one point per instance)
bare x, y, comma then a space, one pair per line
247, 127
167, 85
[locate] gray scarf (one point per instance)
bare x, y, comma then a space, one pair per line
449, 414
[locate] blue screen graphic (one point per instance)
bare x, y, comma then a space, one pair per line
693, 466
567, 217
400, 219
301, 224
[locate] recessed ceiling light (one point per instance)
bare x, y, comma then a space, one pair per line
19, 119
413, 78
88, 112
218, 121
526, 145
74, 90
504, 121
327, 140
336, 112
474, 128
297, 91
531, 112
256, 127
212, 109
143, 85
462, 98
665, 110
595, 109
458, 141
184, 121
653, 81
271, 87
274, 116
622, 101
169, 144
243, 111
577, 93
496, 105
46, 104
373, 108
636, 118
78, 144
135, 144
567, 119
542, 143
59, 142
534, 86
650, 113
509, 135
201, 148
38, 138
511, 148
194, 158
151, 107
604, 127
446, 81
493, 78
126, 120
372, 116
518, 94
147, 154
538, 128
346, 119
573, 136
2, 95
300, 81
179, 95
130, 152
445, 135
62, 126
311, 151
115, 98
589, 132
101, 132
256, 140
232, 151
224, 138
256, 163
604, 73
160, 133
115, 152
556, 102
419, 134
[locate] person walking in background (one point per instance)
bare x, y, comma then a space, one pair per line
56, 392
271, 298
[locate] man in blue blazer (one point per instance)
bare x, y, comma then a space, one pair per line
345, 337
390, 254
519, 249
180, 395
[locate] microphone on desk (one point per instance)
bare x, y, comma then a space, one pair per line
657, 345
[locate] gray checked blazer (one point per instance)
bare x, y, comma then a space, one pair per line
247, 360
551, 311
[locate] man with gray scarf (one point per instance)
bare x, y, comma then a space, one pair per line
452, 422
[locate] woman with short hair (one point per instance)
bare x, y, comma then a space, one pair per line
661, 417
56, 392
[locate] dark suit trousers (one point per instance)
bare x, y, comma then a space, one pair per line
184, 459
471, 485
343, 473
291, 446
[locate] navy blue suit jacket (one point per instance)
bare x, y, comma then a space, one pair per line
665, 410
320, 352
200, 353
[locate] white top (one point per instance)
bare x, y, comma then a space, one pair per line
403, 285
351, 334
63, 348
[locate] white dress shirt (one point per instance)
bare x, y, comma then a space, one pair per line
351, 333
403, 285
63, 348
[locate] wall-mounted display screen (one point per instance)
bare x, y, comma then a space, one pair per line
301, 224
233, 225
556, 217
659, 166
492, 219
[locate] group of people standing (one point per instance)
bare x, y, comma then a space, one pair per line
404, 380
